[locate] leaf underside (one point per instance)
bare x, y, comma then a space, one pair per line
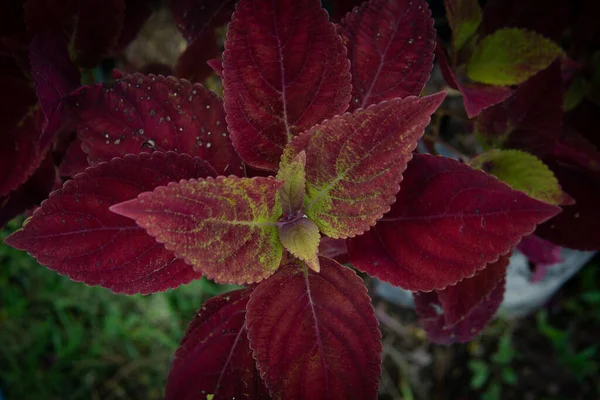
225, 228
355, 162
315, 335
75, 233
284, 70
448, 222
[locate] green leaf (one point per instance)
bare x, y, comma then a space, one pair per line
481, 373
575, 94
506, 352
509, 56
294, 183
464, 17
509, 376
524, 172
301, 238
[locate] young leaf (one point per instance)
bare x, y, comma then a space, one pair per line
355, 162
225, 228
145, 113
459, 312
390, 46
284, 70
54, 77
315, 335
293, 176
301, 238
448, 222
76, 234
530, 120
476, 97
509, 56
214, 356
464, 17
525, 172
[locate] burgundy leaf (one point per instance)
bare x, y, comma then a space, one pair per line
97, 29
55, 77
540, 251
192, 63
214, 357
31, 193
217, 66
448, 222
459, 312
531, 119
476, 96
227, 228
74, 160
145, 113
137, 13
19, 153
315, 335
195, 17
390, 46
285, 70
76, 234
334, 248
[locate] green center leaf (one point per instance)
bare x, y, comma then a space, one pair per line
294, 183
301, 238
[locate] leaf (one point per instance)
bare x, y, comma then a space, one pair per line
97, 28
530, 120
448, 222
137, 13
74, 160
19, 153
334, 248
509, 56
225, 228
301, 238
459, 312
476, 97
524, 172
214, 356
390, 46
54, 77
17, 96
284, 70
355, 162
75, 233
293, 176
315, 335
464, 17
192, 63
145, 113
339, 8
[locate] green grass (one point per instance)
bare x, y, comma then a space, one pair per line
64, 340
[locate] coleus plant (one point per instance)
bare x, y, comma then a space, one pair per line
310, 150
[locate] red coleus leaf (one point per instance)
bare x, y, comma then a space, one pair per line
192, 63
55, 77
476, 96
448, 222
97, 29
225, 227
285, 70
355, 162
459, 312
74, 161
540, 251
314, 335
19, 153
529, 120
390, 46
214, 357
144, 113
76, 234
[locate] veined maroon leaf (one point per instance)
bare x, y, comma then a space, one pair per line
97, 29
214, 356
459, 312
75, 233
145, 113
355, 162
31, 193
19, 153
55, 77
540, 251
448, 222
285, 70
217, 65
192, 63
390, 46
194, 17
74, 160
476, 96
529, 120
315, 335
334, 248
224, 227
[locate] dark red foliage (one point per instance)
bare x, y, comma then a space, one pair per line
214, 356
